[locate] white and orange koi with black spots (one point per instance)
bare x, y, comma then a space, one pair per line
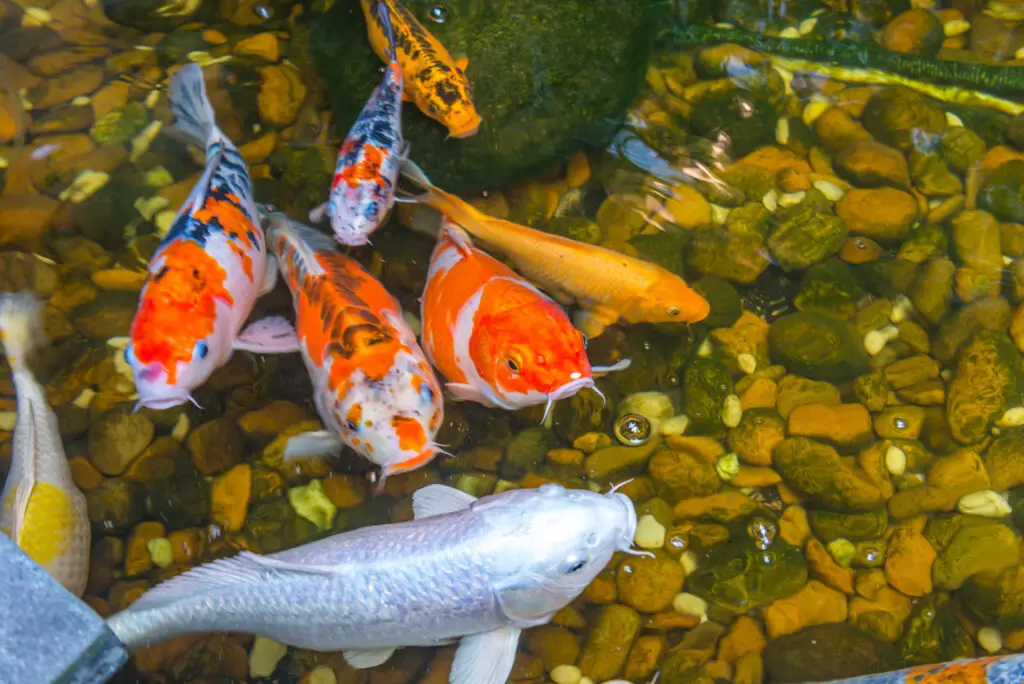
363, 187
372, 385
207, 272
434, 81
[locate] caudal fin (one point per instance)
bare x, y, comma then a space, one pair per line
190, 105
21, 327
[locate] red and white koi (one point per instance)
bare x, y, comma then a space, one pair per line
363, 187
497, 339
373, 387
207, 272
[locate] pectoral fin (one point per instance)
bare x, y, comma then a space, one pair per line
317, 444
461, 61
592, 322
361, 659
463, 392
438, 499
316, 215
485, 658
269, 275
270, 335
599, 371
22, 496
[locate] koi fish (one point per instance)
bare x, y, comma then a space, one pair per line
475, 571
497, 339
373, 387
42, 509
607, 285
434, 81
1001, 669
207, 272
363, 187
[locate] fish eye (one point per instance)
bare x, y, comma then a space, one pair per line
573, 564
512, 365
202, 349
673, 311
350, 425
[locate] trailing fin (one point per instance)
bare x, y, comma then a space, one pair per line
190, 105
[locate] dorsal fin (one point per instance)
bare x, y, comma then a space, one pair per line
301, 245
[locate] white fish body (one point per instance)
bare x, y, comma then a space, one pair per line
41, 509
475, 570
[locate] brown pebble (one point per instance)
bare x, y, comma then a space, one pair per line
84, 474
860, 250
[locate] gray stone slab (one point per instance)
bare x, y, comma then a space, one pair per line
46, 634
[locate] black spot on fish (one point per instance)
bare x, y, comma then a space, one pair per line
160, 274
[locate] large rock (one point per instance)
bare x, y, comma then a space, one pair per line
548, 76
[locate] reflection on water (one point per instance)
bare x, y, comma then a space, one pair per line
830, 463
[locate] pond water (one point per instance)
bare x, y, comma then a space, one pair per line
828, 469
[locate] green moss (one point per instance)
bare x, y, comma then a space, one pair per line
548, 76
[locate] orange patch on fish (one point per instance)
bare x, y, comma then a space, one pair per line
178, 306
367, 169
355, 414
233, 223
968, 672
411, 436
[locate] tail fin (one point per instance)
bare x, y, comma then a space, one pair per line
190, 105
295, 246
21, 327
384, 15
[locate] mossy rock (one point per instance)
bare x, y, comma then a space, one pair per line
829, 525
1002, 193
746, 121
548, 77
898, 116
933, 635
817, 346
986, 383
804, 235
706, 384
827, 652
830, 288
726, 305
118, 127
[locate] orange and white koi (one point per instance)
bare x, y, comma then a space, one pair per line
373, 387
41, 509
363, 187
497, 339
605, 284
434, 81
207, 272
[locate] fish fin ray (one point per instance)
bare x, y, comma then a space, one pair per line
458, 236
363, 658
384, 15
485, 658
437, 499
22, 497
192, 110
245, 568
461, 60
270, 335
269, 274
302, 245
21, 326
316, 444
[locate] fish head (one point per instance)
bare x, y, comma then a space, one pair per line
553, 542
531, 351
163, 384
671, 300
357, 214
462, 119
393, 421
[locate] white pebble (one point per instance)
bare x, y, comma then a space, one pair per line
953, 120
121, 365
1019, 54
4, 163
723, 25
831, 191
84, 186
1011, 417
180, 430
322, 674
895, 460
36, 16
704, 350
843, 551
649, 404
719, 213
81, 100
771, 200
946, 374
891, 332
789, 32
1007, 260
650, 534
816, 106
149, 207
160, 551
8, 420
728, 467
874, 342
990, 639
143, 140
566, 674
84, 398
732, 411
119, 342
676, 425
690, 604
264, 656
791, 199
746, 362
151, 98
782, 130
158, 177
164, 220
901, 308
787, 77
985, 503
45, 260
689, 562
956, 27
588, 680
807, 25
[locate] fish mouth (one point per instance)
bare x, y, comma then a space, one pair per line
631, 522
464, 131
162, 402
570, 388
